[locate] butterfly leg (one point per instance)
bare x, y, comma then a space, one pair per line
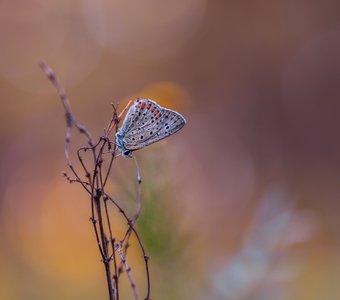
139, 178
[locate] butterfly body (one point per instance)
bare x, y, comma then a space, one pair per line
145, 123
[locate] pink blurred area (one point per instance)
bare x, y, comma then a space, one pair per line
257, 81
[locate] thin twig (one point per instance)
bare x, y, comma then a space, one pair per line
145, 256
87, 173
112, 240
72, 180
128, 271
70, 119
106, 259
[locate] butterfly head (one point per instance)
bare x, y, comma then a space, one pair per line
127, 153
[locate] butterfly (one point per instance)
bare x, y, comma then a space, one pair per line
145, 123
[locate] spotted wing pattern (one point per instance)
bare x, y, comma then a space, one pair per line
148, 123
130, 118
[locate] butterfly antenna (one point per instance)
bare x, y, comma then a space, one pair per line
139, 179
125, 109
116, 118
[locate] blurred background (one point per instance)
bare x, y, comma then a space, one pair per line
243, 203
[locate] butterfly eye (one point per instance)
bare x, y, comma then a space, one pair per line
127, 153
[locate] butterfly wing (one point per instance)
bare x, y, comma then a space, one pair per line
172, 122
152, 125
129, 118
136, 117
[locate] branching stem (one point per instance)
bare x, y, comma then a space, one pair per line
94, 183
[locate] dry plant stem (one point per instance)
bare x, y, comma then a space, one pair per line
70, 119
87, 173
132, 229
112, 240
97, 180
94, 183
70, 122
128, 271
104, 245
114, 123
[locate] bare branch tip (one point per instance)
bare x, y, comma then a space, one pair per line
42, 64
48, 71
